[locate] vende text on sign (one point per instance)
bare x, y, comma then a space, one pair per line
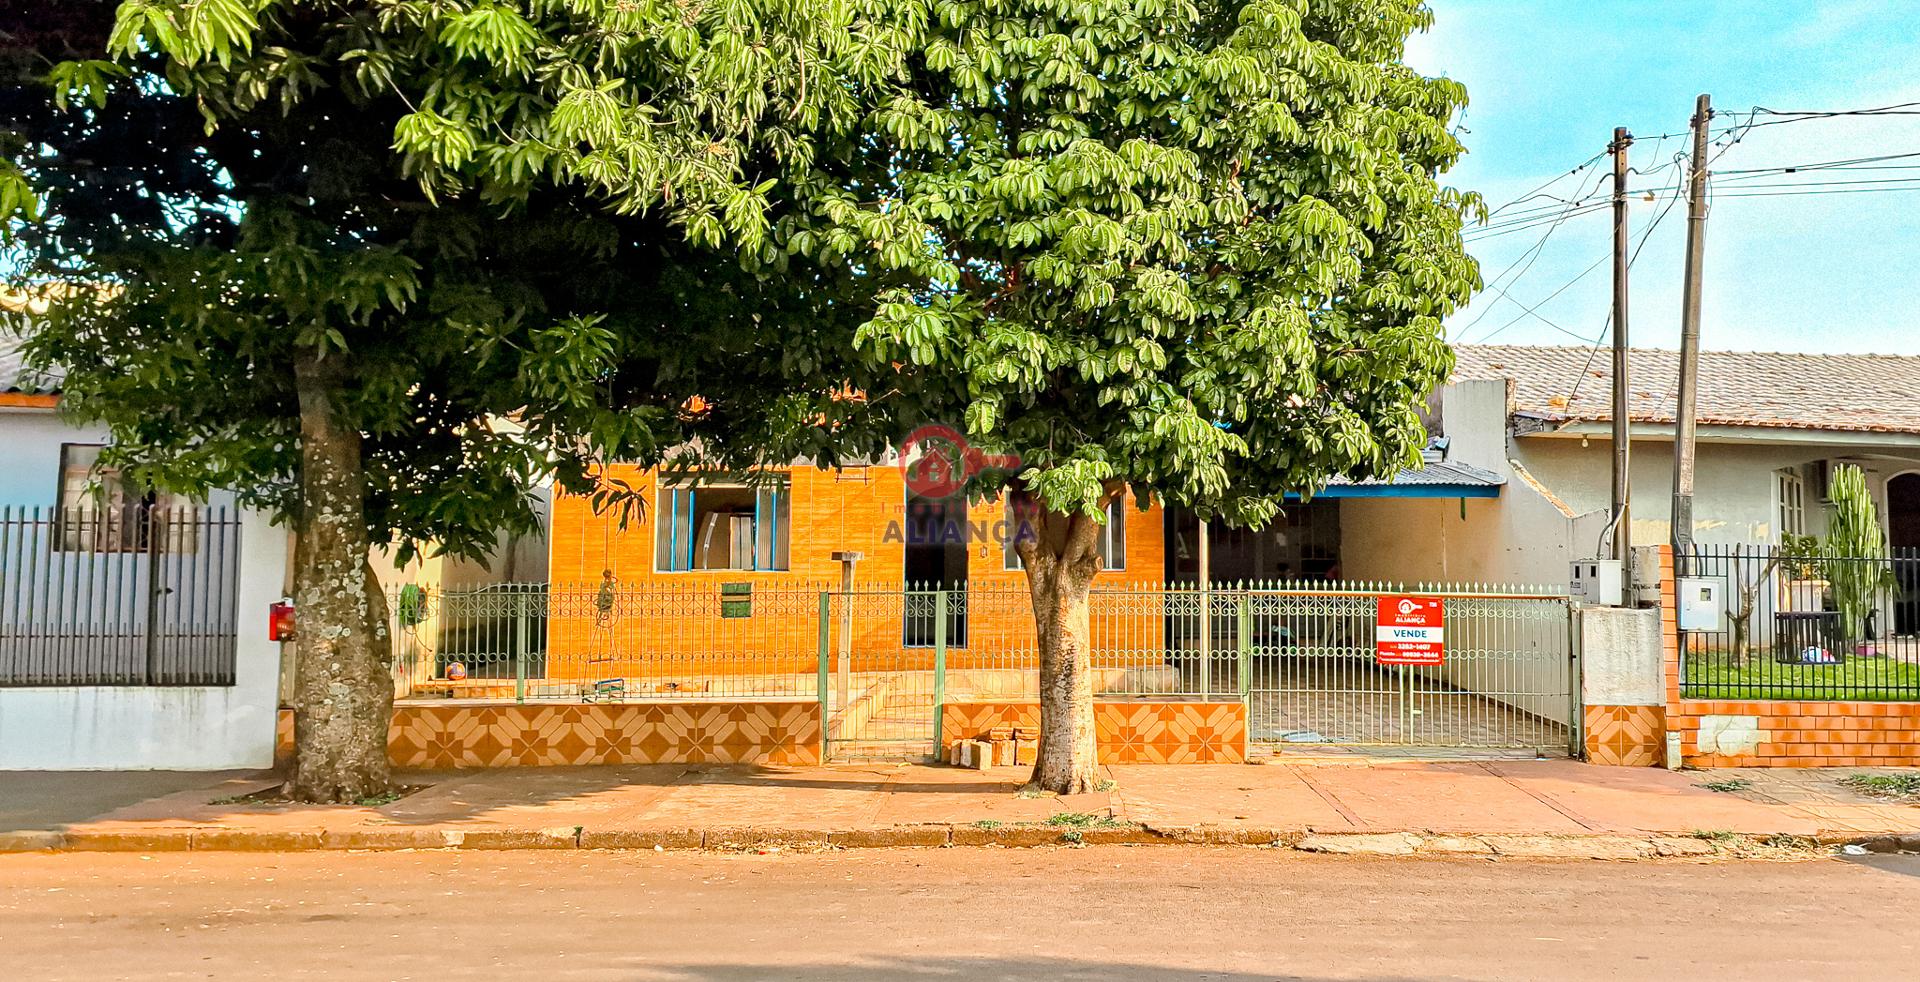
1410, 631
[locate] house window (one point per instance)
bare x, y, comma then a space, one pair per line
723, 526
1791, 492
99, 510
1113, 535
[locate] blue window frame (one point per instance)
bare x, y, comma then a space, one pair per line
723, 526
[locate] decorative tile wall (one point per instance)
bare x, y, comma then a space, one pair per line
1626, 736
1126, 732
559, 735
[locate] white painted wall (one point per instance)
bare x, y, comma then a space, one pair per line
1524, 536
165, 728
1733, 498
30, 442
1621, 658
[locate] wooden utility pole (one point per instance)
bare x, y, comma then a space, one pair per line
1622, 428
1683, 428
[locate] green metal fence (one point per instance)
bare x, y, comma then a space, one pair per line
883, 659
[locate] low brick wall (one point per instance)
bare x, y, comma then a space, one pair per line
1781, 732
431, 735
1127, 732
1773, 733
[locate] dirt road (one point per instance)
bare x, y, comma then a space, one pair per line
1231, 914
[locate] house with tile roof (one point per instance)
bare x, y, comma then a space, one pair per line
1771, 427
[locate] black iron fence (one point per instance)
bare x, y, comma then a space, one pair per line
1806, 626
138, 595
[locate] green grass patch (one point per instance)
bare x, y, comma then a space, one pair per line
1711, 677
1081, 820
1728, 785
1899, 787
987, 823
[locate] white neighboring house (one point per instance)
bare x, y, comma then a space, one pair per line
1535, 424
1770, 427
132, 629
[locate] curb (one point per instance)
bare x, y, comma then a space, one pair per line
767, 840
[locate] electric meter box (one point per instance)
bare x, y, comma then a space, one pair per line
1698, 599
1598, 582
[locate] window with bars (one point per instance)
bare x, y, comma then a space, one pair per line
98, 509
1113, 535
723, 526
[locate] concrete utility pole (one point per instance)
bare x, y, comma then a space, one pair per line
1683, 429
1622, 424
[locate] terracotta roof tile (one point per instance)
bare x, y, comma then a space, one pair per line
1863, 393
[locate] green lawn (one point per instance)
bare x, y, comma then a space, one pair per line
1710, 677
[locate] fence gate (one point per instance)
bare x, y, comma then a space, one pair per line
134, 595
882, 670
1507, 678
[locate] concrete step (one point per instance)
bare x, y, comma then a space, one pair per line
881, 750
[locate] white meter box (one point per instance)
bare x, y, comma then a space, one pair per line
1597, 581
1698, 600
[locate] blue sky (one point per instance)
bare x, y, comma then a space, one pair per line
1549, 79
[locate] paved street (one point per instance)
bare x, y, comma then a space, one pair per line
1232, 914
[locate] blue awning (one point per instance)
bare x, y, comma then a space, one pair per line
1433, 479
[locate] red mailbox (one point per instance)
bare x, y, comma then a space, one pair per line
280, 621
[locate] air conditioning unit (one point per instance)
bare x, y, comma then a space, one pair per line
1817, 475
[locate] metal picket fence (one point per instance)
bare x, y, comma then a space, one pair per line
140, 595
1806, 627
883, 659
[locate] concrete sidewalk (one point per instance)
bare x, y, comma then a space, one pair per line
1491, 806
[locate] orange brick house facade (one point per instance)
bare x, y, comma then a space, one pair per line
853, 509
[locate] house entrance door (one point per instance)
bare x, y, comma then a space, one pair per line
1903, 523
936, 559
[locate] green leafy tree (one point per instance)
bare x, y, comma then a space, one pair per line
1192, 251
379, 267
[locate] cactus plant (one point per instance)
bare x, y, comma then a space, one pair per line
1855, 549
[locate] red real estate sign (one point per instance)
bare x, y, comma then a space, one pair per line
1410, 631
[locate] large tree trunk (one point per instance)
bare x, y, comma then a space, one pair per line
343, 688
1062, 560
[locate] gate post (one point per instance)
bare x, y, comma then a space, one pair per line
1246, 650
826, 623
519, 647
1576, 682
939, 667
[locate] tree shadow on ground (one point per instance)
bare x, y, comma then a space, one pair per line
1036, 968
541, 796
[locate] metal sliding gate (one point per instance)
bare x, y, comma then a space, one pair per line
1508, 677
1302, 657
